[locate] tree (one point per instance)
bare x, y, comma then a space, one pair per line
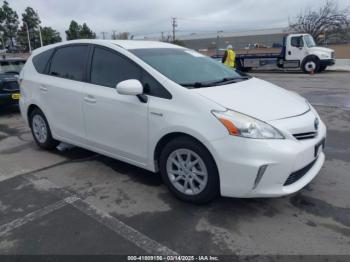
8, 23
123, 35
31, 19
86, 32
74, 31
77, 31
50, 36
329, 20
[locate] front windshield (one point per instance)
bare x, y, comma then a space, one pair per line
310, 42
186, 67
9, 66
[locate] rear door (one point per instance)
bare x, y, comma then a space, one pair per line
62, 89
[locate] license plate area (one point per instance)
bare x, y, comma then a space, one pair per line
319, 147
16, 96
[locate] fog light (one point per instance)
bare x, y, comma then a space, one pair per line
259, 176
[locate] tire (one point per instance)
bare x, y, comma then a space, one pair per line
311, 64
192, 191
41, 130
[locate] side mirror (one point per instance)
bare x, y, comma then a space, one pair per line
130, 87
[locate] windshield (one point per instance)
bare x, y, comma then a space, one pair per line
9, 66
310, 42
186, 67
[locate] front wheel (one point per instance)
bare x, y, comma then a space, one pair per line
189, 171
311, 65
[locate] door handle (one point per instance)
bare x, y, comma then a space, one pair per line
90, 99
43, 88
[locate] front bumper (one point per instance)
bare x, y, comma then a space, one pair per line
327, 62
239, 160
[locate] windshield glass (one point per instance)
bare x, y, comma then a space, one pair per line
187, 67
11, 66
310, 42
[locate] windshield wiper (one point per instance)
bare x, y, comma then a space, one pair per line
196, 84
230, 80
226, 80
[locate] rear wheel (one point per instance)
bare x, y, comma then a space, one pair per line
189, 171
41, 130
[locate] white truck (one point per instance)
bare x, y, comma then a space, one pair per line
298, 51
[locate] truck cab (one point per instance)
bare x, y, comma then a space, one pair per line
300, 50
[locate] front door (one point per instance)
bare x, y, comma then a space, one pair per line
115, 124
295, 49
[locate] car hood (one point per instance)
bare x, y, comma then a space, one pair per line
256, 98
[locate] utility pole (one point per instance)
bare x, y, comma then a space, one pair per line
40, 36
114, 36
28, 38
174, 24
104, 35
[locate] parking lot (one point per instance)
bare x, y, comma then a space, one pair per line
77, 202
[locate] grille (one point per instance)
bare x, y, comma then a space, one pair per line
295, 176
332, 55
303, 136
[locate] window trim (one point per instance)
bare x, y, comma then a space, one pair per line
84, 78
142, 70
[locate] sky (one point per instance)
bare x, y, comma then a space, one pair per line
151, 17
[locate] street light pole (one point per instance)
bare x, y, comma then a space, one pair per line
40, 36
28, 38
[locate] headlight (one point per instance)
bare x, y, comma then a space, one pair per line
325, 56
242, 125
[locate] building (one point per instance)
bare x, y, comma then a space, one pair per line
209, 43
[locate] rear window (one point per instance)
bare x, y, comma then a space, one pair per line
69, 62
11, 66
40, 60
10, 86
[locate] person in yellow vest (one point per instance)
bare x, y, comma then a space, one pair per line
229, 57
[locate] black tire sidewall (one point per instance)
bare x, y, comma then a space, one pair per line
212, 188
311, 59
50, 142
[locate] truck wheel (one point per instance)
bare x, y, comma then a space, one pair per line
311, 64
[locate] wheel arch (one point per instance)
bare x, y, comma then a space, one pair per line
171, 136
30, 109
309, 57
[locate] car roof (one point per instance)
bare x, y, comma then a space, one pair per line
126, 44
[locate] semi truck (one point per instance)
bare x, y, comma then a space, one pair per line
299, 51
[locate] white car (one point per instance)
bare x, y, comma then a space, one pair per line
208, 129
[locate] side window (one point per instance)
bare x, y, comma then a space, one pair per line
69, 62
108, 68
153, 88
297, 41
40, 60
